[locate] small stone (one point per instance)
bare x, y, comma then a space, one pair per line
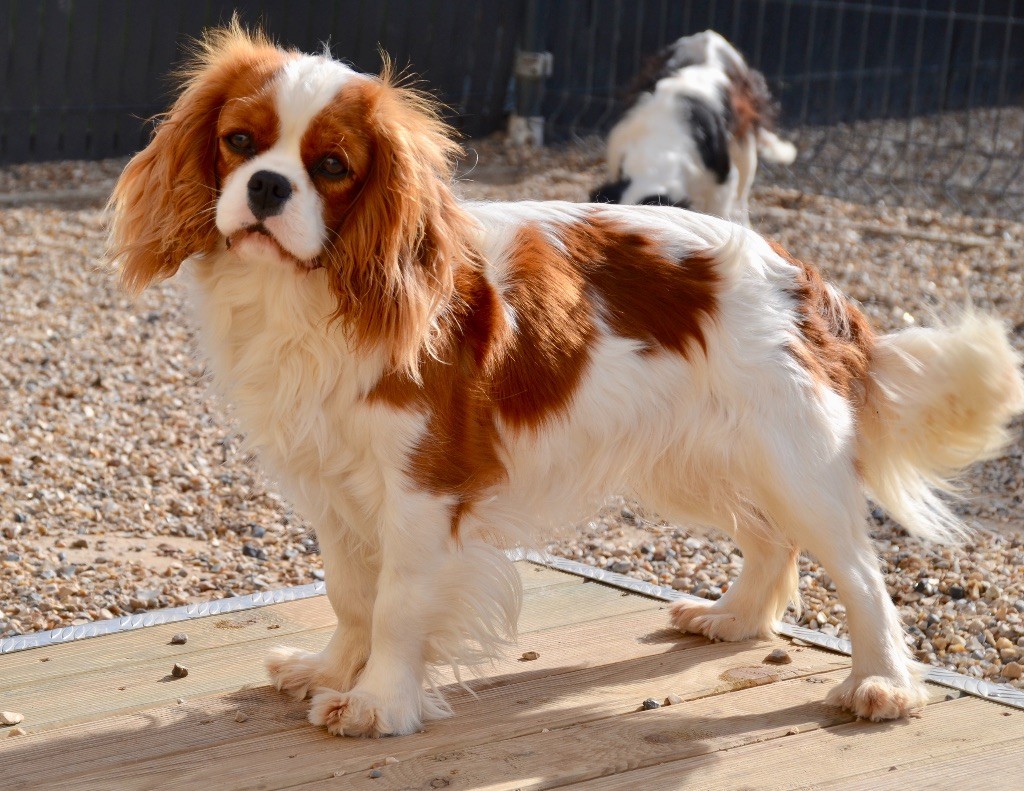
956, 592
10, 718
621, 567
179, 671
793, 731
338, 773
257, 531
1014, 670
439, 782
673, 700
179, 638
181, 701
241, 716
375, 774
79, 543
649, 704
778, 657
529, 656
390, 760
16, 732
251, 550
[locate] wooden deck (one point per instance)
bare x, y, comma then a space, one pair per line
103, 712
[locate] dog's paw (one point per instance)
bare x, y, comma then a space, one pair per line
292, 670
878, 698
713, 620
358, 713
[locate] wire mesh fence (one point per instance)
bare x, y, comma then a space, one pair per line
916, 101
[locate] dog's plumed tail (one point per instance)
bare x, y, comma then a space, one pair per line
939, 399
772, 148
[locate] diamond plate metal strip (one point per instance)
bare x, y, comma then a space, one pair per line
127, 623
998, 693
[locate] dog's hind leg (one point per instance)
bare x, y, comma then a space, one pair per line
756, 600
812, 492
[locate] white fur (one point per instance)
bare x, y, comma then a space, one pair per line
740, 438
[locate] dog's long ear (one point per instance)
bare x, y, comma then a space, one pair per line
164, 203
396, 249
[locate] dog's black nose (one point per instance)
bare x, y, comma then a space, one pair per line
268, 192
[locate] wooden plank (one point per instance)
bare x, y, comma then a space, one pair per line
832, 753
622, 637
39, 665
306, 754
998, 764
129, 685
604, 747
29, 667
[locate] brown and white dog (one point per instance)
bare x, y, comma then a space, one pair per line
433, 381
698, 119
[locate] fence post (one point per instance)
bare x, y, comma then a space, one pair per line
532, 66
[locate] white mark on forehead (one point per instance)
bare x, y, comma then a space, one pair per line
306, 86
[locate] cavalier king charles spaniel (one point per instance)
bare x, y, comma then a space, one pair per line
698, 118
433, 382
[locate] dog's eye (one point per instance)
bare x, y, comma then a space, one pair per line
240, 142
332, 168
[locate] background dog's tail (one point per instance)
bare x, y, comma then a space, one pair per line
938, 400
772, 148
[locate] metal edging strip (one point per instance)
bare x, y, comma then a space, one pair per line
156, 617
999, 693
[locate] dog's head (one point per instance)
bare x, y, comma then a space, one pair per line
297, 158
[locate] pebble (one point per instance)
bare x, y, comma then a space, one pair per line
649, 704
10, 718
529, 656
179, 671
1014, 670
375, 773
778, 657
673, 700
16, 732
179, 638
241, 716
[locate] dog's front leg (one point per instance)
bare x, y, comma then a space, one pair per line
390, 697
350, 573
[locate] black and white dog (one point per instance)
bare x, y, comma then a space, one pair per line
699, 117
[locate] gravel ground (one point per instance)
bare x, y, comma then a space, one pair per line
123, 487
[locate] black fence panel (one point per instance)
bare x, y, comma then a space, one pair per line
908, 99
81, 78
828, 61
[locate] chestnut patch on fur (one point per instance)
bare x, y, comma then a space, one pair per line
642, 293
835, 337
458, 454
749, 102
540, 369
482, 371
